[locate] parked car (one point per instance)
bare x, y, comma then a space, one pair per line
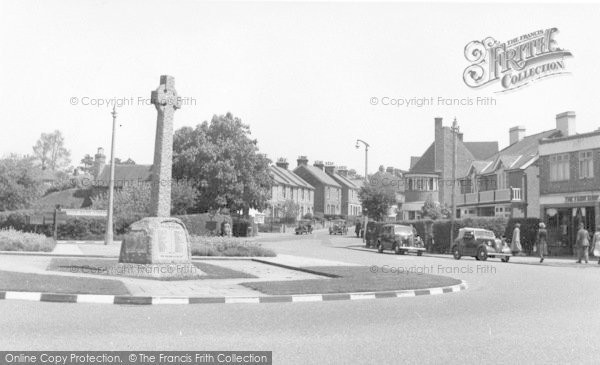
400, 239
338, 227
372, 233
304, 227
479, 243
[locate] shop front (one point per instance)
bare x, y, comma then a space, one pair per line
563, 214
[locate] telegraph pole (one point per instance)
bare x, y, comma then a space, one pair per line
366, 218
455, 131
108, 238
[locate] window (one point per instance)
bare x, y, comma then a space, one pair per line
501, 180
284, 191
559, 167
302, 194
586, 164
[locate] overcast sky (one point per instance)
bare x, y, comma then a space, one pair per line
300, 74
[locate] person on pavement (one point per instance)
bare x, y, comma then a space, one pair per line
583, 244
596, 243
542, 241
515, 246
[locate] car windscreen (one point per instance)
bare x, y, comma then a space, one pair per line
402, 230
484, 234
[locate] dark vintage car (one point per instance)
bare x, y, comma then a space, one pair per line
479, 243
372, 233
399, 238
338, 226
304, 227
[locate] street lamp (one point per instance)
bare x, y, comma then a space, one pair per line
108, 237
455, 130
366, 219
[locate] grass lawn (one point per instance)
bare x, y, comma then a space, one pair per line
16, 281
352, 279
228, 246
104, 267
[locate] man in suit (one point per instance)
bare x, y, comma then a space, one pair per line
583, 244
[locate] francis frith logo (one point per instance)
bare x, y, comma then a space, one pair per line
514, 63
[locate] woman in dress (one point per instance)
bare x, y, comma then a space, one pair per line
542, 241
515, 245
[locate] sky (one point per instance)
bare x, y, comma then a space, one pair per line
302, 75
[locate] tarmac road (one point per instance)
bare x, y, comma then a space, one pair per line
511, 313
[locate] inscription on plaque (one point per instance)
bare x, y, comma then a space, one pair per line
171, 240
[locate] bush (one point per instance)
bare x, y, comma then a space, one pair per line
227, 246
529, 228
240, 227
13, 240
204, 224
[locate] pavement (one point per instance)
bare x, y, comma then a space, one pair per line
512, 313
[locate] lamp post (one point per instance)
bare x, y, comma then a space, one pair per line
108, 238
455, 130
366, 219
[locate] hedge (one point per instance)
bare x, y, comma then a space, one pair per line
204, 224
529, 228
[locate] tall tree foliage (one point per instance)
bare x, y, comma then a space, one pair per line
20, 183
376, 201
225, 160
50, 151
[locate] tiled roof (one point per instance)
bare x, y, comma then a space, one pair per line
286, 177
342, 180
482, 150
520, 153
319, 175
426, 163
390, 182
126, 173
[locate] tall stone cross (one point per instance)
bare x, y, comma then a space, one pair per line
166, 101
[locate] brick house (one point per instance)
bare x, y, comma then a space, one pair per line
569, 186
287, 186
430, 175
506, 184
328, 193
351, 206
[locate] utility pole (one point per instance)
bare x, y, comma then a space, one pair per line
108, 238
455, 130
366, 218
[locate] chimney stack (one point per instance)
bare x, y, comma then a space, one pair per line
389, 170
460, 136
438, 123
516, 134
329, 167
342, 171
302, 160
319, 165
565, 123
282, 162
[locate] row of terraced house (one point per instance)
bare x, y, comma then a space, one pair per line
553, 175
321, 189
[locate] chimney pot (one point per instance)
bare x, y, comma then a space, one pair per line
302, 160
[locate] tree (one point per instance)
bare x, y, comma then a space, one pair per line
376, 201
20, 183
434, 210
184, 195
50, 151
87, 163
223, 157
129, 161
290, 210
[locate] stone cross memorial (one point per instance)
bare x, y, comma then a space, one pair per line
159, 246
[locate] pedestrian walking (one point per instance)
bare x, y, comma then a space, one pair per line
542, 241
596, 243
515, 245
583, 244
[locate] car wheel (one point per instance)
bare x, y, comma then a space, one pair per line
419, 253
477, 258
482, 254
379, 247
456, 253
505, 259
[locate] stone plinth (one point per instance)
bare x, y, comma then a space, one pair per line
158, 247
